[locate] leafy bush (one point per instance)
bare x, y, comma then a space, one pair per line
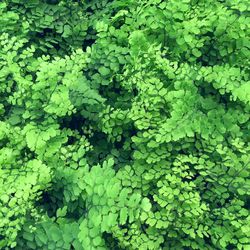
124, 124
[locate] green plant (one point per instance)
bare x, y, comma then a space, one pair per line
124, 124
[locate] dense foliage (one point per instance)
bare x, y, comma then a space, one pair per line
124, 124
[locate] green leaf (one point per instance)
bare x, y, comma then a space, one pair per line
97, 241
146, 205
5, 198
55, 233
196, 52
61, 212
123, 215
104, 71
28, 236
188, 38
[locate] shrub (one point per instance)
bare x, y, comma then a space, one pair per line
124, 124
